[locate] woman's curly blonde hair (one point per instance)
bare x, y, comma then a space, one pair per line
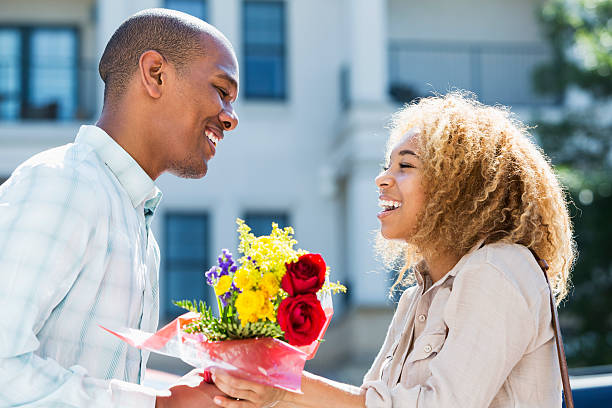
484, 178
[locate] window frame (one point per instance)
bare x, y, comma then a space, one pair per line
284, 94
25, 78
169, 311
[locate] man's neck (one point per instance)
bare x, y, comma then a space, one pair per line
131, 137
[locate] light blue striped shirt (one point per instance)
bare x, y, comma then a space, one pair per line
76, 252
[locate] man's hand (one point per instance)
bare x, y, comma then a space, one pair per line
190, 391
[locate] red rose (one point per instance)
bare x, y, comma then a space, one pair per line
207, 377
307, 275
301, 318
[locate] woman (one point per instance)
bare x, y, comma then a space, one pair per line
466, 196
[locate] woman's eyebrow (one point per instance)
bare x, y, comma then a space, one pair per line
406, 151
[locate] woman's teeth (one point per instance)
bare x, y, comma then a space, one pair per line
212, 137
387, 205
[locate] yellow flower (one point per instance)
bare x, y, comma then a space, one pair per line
249, 305
270, 252
223, 285
268, 311
269, 285
244, 279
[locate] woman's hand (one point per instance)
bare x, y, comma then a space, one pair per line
244, 393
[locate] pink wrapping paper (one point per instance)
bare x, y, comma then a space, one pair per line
264, 360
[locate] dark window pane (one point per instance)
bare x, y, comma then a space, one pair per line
264, 49
264, 24
10, 67
197, 8
180, 284
53, 63
187, 237
261, 222
38, 73
187, 241
266, 76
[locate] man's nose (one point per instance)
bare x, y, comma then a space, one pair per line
228, 118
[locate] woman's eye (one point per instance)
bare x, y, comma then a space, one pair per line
385, 168
406, 166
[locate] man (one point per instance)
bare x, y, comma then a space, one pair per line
76, 250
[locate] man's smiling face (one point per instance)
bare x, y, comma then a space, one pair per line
200, 109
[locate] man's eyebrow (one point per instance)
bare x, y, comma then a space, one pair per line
228, 78
406, 151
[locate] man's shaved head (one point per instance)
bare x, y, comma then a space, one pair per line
177, 36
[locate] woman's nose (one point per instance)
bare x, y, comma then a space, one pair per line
383, 180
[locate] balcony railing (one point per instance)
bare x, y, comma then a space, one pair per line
60, 92
496, 73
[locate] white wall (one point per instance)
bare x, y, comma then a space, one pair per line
489, 47
465, 20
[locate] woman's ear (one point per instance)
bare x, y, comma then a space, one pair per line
152, 72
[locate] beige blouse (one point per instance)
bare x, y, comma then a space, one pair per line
479, 337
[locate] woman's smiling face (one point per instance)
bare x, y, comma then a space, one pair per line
402, 196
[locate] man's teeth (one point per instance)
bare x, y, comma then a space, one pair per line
212, 137
389, 204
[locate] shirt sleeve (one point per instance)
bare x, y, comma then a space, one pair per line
48, 218
489, 329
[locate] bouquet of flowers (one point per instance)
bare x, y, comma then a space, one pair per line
274, 305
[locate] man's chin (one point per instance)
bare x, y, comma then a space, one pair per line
190, 172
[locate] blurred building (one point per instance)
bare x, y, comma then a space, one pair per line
319, 79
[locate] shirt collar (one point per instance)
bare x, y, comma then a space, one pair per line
422, 277
136, 182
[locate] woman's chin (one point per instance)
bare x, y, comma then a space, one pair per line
389, 234
392, 235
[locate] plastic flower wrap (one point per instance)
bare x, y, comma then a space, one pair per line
273, 303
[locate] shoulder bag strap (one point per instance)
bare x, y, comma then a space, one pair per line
567, 390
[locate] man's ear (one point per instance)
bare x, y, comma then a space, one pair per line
152, 73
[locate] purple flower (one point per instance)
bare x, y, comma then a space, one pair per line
224, 298
225, 266
235, 288
212, 275
226, 263
227, 254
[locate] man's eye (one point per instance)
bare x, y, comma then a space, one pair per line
222, 92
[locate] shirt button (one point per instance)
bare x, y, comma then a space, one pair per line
422, 318
427, 348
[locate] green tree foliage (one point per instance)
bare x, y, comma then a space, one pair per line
580, 32
580, 145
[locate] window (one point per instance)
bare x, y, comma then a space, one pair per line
187, 242
264, 49
261, 222
197, 8
38, 72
